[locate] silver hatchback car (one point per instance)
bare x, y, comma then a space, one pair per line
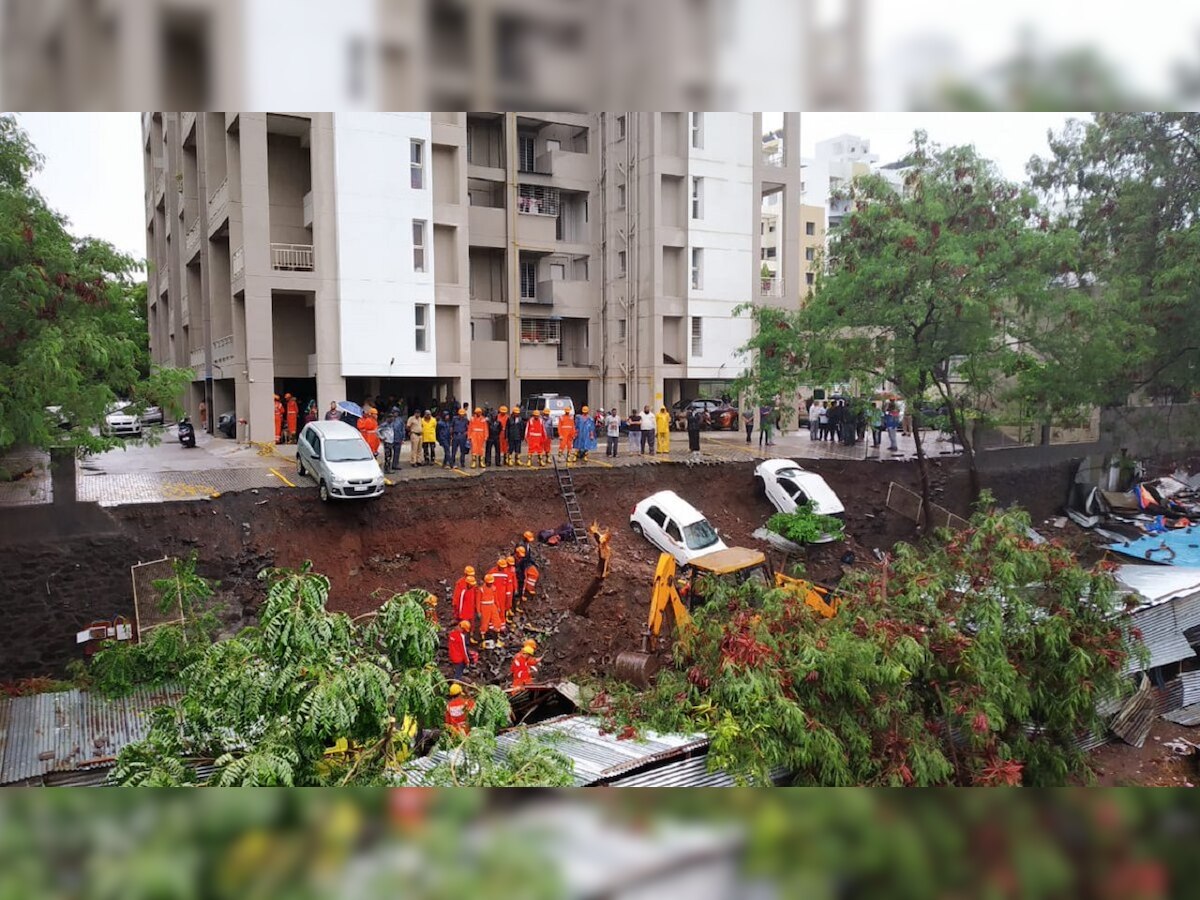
339, 460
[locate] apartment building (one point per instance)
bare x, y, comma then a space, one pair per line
480, 256
836, 162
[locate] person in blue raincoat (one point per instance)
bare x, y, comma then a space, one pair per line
444, 438
458, 439
585, 434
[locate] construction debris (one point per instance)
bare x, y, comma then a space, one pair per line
1132, 724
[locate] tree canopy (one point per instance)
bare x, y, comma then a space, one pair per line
309, 697
977, 660
72, 327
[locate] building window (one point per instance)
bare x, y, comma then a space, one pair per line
418, 245
620, 128
808, 277
421, 331
771, 228
622, 394
528, 281
809, 254
472, 331
621, 270
810, 228
698, 131
558, 272
621, 326
416, 164
697, 198
697, 268
770, 252
620, 196
525, 145
697, 336
540, 331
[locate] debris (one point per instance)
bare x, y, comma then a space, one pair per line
1181, 746
1132, 724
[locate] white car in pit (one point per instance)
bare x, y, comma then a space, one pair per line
789, 486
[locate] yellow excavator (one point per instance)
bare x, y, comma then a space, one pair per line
738, 564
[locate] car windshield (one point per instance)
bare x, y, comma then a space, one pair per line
789, 473
347, 451
699, 535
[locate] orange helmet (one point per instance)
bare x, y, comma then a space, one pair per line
471, 579
516, 409
469, 570
510, 560
521, 551
464, 625
528, 535
276, 396
478, 411
430, 600
527, 650
504, 409
502, 562
584, 410
489, 578
463, 411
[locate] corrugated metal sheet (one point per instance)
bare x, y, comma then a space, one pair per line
598, 758
1158, 584
70, 731
1162, 636
1188, 716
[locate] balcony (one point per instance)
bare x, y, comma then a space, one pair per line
561, 293
487, 227
218, 204
237, 264
192, 241
537, 229
489, 359
567, 165
539, 358
222, 351
292, 257
770, 287
308, 210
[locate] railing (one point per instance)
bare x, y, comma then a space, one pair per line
218, 201
238, 263
535, 200
770, 287
192, 241
222, 350
292, 257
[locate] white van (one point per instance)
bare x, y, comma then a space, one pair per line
675, 526
553, 407
339, 459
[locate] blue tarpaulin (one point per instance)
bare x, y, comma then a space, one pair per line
1174, 547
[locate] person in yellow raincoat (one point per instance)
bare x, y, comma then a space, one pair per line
662, 431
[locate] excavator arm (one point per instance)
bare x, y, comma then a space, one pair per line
665, 595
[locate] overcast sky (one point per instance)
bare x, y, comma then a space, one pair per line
93, 171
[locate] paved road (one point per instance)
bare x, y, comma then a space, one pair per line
141, 473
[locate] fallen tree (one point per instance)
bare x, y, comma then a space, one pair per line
978, 659
309, 697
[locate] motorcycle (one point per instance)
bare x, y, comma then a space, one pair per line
187, 432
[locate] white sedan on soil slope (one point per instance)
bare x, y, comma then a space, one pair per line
788, 486
675, 526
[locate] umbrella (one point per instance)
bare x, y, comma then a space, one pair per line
353, 408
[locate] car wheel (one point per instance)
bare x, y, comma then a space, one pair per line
300, 467
760, 486
637, 529
323, 491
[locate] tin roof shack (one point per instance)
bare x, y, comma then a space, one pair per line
71, 737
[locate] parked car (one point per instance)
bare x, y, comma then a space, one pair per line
152, 415
675, 526
227, 424
121, 419
554, 407
721, 416
788, 487
57, 418
339, 460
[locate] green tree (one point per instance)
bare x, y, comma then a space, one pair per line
935, 288
308, 697
978, 660
1129, 184
72, 334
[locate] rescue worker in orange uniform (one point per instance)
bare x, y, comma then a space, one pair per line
460, 653
431, 608
529, 591
535, 437
566, 436
457, 709
512, 583
293, 417
369, 426
278, 420
464, 596
477, 434
502, 418
523, 666
503, 591
491, 623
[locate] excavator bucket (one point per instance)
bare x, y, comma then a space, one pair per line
635, 667
813, 596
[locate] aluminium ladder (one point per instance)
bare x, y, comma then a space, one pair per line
566, 487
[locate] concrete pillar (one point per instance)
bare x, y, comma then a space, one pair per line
331, 384
256, 227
